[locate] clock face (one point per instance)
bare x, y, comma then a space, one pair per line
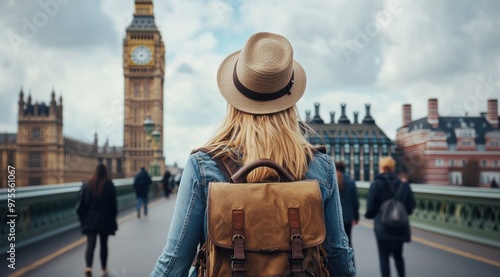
141, 55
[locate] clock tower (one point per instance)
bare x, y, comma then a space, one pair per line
144, 72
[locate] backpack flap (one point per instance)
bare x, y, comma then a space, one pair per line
266, 209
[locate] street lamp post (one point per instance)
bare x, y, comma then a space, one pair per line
153, 138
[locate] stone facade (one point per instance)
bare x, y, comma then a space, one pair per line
144, 72
42, 155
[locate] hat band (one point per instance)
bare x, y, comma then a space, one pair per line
261, 96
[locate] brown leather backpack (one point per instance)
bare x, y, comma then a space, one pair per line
263, 229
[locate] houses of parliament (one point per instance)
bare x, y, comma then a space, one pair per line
42, 155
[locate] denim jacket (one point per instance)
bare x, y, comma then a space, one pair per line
188, 226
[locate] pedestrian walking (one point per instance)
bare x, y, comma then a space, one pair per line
261, 84
493, 184
142, 181
348, 198
166, 183
389, 242
97, 209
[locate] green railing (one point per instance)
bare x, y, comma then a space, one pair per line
44, 211
467, 213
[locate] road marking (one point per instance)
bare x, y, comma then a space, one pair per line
445, 248
71, 246
48, 258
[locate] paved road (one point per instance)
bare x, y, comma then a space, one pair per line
138, 243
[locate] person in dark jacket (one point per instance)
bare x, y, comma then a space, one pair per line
97, 210
142, 181
381, 189
165, 181
348, 199
493, 184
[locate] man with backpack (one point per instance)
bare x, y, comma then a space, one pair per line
390, 201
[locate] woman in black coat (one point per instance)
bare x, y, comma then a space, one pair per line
389, 242
97, 210
348, 199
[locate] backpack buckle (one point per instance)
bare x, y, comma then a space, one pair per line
237, 265
238, 236
295, 236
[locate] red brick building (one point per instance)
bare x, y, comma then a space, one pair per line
446, 150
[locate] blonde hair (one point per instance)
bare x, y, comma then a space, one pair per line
387, 164
247, 137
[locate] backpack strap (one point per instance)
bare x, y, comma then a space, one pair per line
238, 258
399, 191
396, 193
227, 165
297, 257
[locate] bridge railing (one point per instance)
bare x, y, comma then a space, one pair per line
45, 211
467, 213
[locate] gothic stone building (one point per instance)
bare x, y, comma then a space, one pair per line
359, 145
437, 148
144, 74
42, 155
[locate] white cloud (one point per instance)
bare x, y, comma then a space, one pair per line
447, 50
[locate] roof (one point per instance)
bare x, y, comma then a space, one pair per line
109, 150
450, 123
78, 147
7, 138
143, 22
350, 133
42, 109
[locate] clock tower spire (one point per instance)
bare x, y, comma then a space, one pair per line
144, 72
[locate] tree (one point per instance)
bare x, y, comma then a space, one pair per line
471, 173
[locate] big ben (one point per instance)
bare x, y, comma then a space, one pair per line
144, 72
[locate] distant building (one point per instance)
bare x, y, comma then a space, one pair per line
436, 149
358, 144
42, 155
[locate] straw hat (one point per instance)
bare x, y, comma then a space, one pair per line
262, 78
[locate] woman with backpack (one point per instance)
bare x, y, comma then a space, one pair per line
262, 84
97, 209
387, 186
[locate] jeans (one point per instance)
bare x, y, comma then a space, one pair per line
142, 200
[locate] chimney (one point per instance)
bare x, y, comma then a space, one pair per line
343, 118
492, 114
406, 114
308, 116
368, 118
432, 113
356, 117
332, 117
317, 118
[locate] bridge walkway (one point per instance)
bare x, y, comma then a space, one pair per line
138, 243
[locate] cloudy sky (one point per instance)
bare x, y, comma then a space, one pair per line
386, 53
